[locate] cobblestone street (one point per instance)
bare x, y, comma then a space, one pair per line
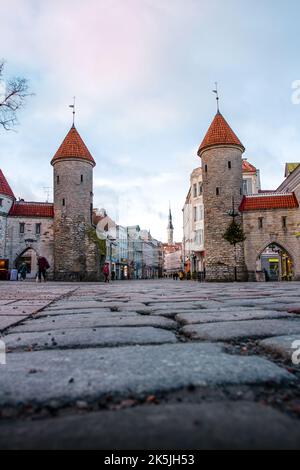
149, 365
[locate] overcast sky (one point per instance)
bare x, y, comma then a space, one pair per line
143, 73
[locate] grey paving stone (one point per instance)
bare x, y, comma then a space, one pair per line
282, 345
9, 320
70, 305
89, 374
53, 313
201, 316
63, 322
227, 425
88, 337
225, 331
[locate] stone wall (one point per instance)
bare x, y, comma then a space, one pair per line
272, 232
17, 243
220, 256
75, 253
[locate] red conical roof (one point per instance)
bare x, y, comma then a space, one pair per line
73, 147
219, 133
5, 189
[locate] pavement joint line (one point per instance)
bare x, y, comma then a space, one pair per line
32, 315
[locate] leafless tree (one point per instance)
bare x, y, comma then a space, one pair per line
13, 94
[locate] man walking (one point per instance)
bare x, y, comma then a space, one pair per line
43, 265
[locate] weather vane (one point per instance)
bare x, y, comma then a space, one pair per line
73, 106
217, 95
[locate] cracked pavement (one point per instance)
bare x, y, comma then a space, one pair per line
149, 365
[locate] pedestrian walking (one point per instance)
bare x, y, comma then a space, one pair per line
23, 271
43, 265
106, 272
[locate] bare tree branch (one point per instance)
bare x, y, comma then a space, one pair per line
13, 94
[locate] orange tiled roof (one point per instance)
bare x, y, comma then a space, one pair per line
5, 189
219, 133
32, 209
269, 201
248, 168
73, 147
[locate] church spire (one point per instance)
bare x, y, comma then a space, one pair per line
170, 228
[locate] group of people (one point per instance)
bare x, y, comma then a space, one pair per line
21, 273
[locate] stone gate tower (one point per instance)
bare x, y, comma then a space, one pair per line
221, 154
75, 252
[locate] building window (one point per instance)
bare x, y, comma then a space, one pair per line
229, 165
63, 202
205, 168
200, 189
247, 186
195, 190
1, 202
218, 191
57, 179
37, 229
260, 223
22, 228
195, 214
284, 222
81, 178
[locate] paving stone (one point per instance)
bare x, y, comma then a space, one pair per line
63, 322
282, 345
68, 305
227, 425
89, 374
88, 337
9, 320
201, 316
56, 312
226, 331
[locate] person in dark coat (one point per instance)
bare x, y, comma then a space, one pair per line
43, 265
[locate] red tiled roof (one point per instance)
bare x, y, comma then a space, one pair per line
248, 168
5, 189
219, 133
73, 147
268, 201
32, 209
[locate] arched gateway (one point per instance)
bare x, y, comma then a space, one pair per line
274, 263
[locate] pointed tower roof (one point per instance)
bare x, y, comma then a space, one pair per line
219, 133
73, 147
5, 189
170, 222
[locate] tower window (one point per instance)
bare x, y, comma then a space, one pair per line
81, 178
57, 179
218, 191
22, 228
205, 168
64, 202
195, 190
1, 202
229, 165
37, 229
260, 223
284, 222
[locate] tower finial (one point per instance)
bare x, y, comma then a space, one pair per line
73, 106
216, 91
